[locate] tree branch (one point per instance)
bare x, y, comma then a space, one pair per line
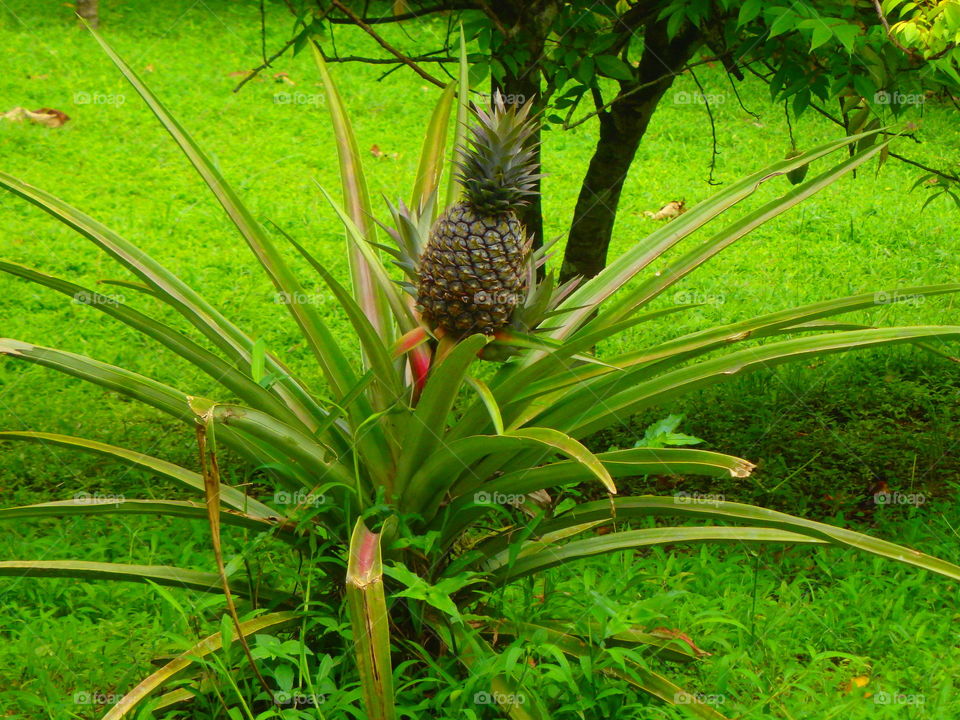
428, 58
713, 129
939, 173
264, 65
357, 20
412, 15
623, 94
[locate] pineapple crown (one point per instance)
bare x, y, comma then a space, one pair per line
497, 162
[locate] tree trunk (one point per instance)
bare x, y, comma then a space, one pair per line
87, 9
622, 127
524, 27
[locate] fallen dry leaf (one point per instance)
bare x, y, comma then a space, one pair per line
669, 211
48, 117
37, 77
149, 68
282, 77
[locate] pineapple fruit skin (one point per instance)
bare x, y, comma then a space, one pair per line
473, 271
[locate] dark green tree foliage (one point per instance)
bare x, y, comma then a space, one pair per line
863, 64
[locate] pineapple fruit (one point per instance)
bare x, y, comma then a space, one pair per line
473, 271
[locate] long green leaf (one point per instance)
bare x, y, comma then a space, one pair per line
402, 310
463, 509
356, 198
460, 131
433, 481
203, 648
100, 506
431, 154
148, 391
171, 290
374, 348
302, 450
428, 424
221, 371
616, 408
370, 622
87, 570
143, 389
715, 509
795, 319
230, 496
505, 568
324, 346
700, 254
580, 305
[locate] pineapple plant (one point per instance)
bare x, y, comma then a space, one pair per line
412, 474
473, 271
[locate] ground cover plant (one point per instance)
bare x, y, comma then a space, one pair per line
888, 530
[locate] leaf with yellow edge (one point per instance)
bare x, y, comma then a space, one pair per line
203, 648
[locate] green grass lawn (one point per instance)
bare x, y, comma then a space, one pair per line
787, 630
